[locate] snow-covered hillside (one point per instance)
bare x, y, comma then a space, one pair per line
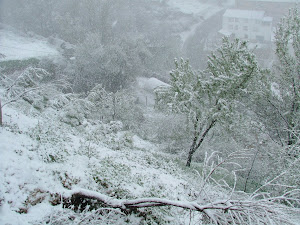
83, 142
42, 157
15, 45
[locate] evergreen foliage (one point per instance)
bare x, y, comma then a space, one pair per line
278, 109
213, 95
115, 66
287, 40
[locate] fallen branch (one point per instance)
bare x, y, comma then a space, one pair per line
218, 212
145, 202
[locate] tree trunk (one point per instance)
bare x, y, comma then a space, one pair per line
192, 151
251, 168
114, 107
195, 146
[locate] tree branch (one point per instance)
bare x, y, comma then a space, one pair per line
19, 96
218, 212
147, 202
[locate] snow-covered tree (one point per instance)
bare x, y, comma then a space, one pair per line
214, 95
279, 110
287, 40
116, 106
34, 85
115, 66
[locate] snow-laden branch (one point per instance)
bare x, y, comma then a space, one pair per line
146, 202
19, 96
219, 212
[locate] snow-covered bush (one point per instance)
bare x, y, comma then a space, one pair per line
285, 164
116, 106
28, 80
77, 111
32, 77
115, 126
33, 85
110, 134
62, 100
50, 143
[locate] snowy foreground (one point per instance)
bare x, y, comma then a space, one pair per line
42, 158
44, 161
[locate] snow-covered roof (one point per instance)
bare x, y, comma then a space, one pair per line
150, 83
246, 14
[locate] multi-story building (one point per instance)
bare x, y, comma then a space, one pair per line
247, 24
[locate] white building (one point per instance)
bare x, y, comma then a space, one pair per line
247, 24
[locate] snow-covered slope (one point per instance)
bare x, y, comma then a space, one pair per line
16, 45
42, 157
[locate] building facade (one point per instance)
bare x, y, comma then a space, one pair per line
247, 24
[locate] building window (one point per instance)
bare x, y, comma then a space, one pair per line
246, 36
230, 27
236, 20
230, 19
245, 28
245, 20
236, 27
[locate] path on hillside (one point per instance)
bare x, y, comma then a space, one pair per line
194, 45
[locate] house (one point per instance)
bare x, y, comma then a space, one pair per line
247, 24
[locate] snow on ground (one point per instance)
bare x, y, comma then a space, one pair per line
20, 170
27, 177
140, 143
41, 158
15, 46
